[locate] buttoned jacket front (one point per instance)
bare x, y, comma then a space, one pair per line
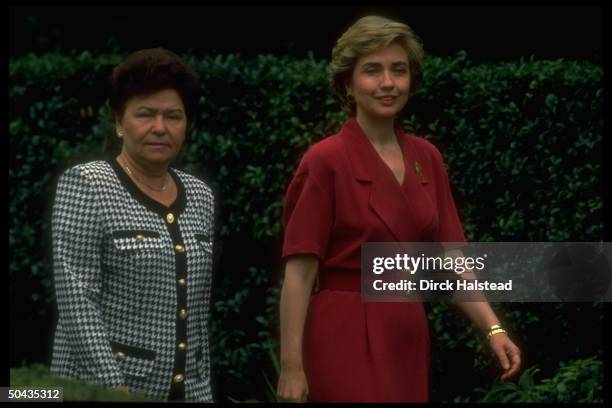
132, 280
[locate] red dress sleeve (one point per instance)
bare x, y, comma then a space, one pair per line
308, 212
450, 224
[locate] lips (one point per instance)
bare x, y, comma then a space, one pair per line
387, 100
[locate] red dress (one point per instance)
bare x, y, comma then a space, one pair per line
343, 194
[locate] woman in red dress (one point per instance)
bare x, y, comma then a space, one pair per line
369, 183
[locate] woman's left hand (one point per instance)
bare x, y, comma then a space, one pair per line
507, 353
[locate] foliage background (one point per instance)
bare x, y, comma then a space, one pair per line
522, 141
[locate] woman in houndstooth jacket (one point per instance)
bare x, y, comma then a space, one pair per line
132, 245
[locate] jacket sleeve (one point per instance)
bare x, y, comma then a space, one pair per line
77, 242
450, 224
203, 354
308, 214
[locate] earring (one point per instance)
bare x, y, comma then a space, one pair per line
119, 134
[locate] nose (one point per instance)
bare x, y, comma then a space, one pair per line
386, 82
159, 126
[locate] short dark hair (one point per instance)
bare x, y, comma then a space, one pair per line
146, 71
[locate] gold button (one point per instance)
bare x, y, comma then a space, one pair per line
120, 356
183, 314
178, 378
182, 282
139, 237
182, 346
170, 218
179, 248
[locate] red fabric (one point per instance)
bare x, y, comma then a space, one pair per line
342, 195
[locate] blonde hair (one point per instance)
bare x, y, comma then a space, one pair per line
366, 35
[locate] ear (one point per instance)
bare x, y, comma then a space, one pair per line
118, 126
349, 87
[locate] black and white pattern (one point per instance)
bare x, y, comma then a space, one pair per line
115, 272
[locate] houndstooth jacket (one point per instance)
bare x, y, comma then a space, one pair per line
133, 281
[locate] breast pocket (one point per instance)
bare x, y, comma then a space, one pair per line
137, 243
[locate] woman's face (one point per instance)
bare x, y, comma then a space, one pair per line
153, 127
381, 82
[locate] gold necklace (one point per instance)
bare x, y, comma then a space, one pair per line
157, 189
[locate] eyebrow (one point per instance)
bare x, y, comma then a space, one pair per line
378, 64
170, 110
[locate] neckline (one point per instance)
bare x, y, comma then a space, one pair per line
403, 150
177, 207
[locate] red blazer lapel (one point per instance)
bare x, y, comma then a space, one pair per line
388, 200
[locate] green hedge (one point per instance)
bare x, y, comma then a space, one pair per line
576, 381
522, 142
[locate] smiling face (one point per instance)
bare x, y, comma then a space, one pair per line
153, 127
380, 82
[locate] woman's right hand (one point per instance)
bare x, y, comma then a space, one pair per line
292, 385
300, 274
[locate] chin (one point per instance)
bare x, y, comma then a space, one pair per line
385, 114
159, 159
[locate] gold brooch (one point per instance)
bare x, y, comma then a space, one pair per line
418, 170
